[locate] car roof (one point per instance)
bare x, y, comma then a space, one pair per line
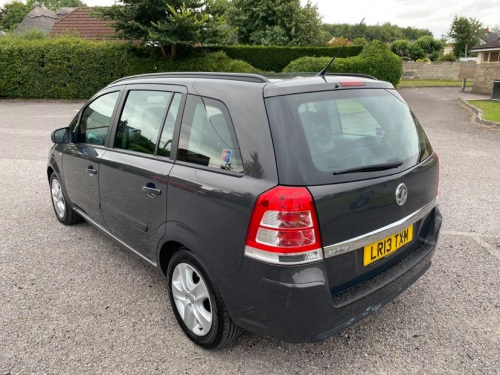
209, 84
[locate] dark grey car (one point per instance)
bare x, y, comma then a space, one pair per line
291, 209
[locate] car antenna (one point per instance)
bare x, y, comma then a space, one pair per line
323, 72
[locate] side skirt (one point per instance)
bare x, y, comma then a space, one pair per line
98, 226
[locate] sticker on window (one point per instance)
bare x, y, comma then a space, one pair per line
226, 156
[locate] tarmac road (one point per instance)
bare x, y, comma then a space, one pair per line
72, 301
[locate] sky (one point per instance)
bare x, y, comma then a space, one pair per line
435, 15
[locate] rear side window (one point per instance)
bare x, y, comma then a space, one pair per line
317, 135
141, 120
96, 119
207, 136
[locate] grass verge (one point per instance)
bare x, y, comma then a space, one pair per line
432, 83
491, 110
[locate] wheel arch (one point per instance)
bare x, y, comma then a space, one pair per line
52, 167
177, 236
167, 250
50, 170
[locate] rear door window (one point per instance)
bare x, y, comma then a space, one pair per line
141, 120
168, 128
207, 136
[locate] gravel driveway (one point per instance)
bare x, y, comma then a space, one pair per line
72, 301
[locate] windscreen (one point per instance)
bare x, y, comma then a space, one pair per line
324, 137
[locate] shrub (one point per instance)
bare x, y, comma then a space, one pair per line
448, 57
210, 62
375, 60
71, 68
425, 59
274, 59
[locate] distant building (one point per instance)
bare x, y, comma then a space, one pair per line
339, 41
38, 19
81, 22
489, 50
448, 49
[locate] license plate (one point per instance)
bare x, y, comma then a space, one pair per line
388, 245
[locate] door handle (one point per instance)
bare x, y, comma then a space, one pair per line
91, 171
151, 190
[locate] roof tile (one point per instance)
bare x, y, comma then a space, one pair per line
81, 22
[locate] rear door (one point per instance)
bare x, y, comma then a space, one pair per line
81, 159
135, 169
369, 167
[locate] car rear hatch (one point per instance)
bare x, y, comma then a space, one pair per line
369, 168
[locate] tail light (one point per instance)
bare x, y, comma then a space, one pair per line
284, 227
438, 166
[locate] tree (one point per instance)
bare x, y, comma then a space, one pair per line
433, 48
496, 29
425, 46
465, 33
12, 14
360, 42
166, 25
415, 52
400, 47
386, 33
281, 23
54, 4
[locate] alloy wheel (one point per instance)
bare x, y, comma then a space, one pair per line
58, 198
192, 299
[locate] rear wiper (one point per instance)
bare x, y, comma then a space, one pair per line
371, 168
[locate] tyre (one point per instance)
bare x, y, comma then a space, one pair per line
64, 213
197, 303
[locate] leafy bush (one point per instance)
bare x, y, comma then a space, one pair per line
274, 59
375, 60
448, 57
425, 59
71, 68
210, 62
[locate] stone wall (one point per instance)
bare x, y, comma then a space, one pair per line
485, 75
434, 70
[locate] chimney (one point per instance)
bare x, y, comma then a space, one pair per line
487, 30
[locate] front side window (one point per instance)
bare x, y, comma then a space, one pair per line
486, 55
207, 136
72, 125
96, 119
141, 120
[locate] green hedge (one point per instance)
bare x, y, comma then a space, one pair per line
71, 68
376, 60
274, 59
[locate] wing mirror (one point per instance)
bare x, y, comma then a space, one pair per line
61, 136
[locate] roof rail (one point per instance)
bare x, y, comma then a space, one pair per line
352, 75
204, 75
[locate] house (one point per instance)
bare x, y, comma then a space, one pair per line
448, 49
489, 51
38, 19
339, 41
80, 21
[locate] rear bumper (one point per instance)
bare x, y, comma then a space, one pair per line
294, 303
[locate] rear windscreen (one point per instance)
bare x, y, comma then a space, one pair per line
317, 135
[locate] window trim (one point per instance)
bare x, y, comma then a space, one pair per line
199, 166
173, 89
101, 93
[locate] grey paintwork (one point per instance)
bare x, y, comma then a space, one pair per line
208, 211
